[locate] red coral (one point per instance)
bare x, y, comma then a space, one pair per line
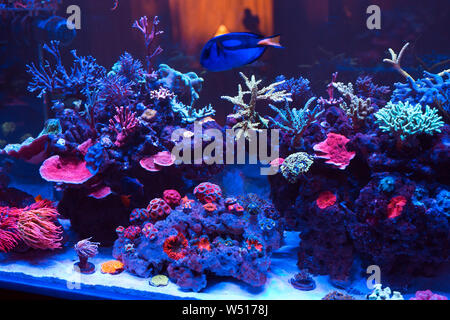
326, 199
172, 197
158, 209
333, 149
207, 192
428, 295
253, 243
66, 170
132, 232
175, 246
395, 206
127, 123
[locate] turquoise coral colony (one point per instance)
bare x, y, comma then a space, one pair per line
351, 174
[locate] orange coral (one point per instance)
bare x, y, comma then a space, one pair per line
112, 267
210, 207
203, 244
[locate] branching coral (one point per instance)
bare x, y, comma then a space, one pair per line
150, 33
189, 114
404, 119
396, 60
123, 124
298, 87
82, 77
294, 121
357, 108
247, 116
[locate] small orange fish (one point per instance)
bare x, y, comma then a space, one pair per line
126, 200
38, 198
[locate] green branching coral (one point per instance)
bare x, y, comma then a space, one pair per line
404, 119
294, 121
295, 165
246, 113
356, 108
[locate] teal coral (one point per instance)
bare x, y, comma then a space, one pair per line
404, 119
295, 165
296, 121
189, 114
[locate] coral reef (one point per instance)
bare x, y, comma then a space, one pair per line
192, 242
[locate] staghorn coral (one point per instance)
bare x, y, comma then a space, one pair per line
395, 61
295, 165
246, 115
294, 121
298, 87
404, 119
355, 107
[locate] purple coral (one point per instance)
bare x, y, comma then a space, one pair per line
150, 32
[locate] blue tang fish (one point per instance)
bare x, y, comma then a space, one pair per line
235, 49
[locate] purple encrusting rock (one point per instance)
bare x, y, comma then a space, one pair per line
229, 237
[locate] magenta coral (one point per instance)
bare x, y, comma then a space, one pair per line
333, 149
127, 123
66, 170
175, 246
158, 209
428, 295
172, 197
208, 192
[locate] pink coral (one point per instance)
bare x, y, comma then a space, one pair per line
158, 209
326, 199
33, 151
66, 170
127, 123
9, 236
155, 162
172, 197
333, 149
175, 246
208, 192
395, 206
428, 295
